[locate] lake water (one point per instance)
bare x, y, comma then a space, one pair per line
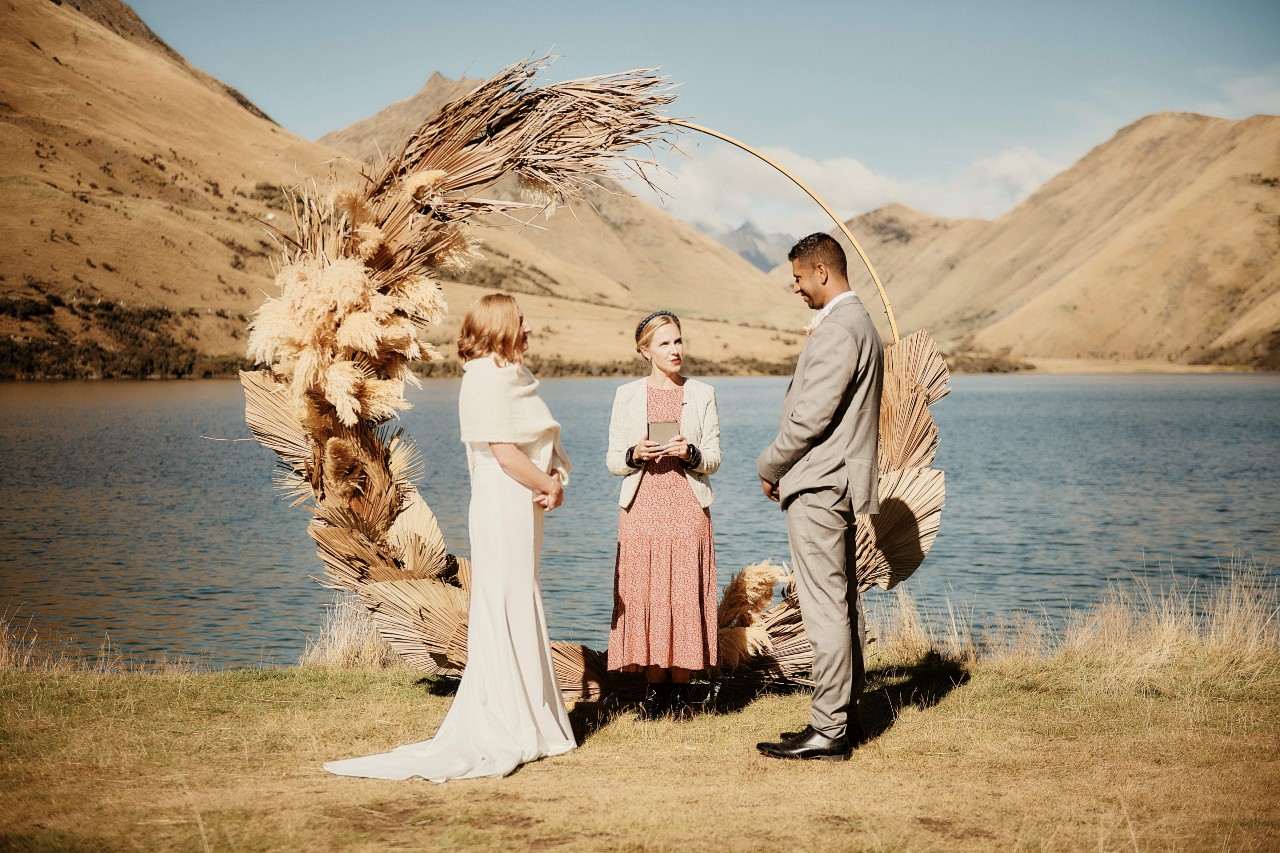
124, 519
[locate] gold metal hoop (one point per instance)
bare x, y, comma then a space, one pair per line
888, 309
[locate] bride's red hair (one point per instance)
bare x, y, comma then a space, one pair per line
491, 327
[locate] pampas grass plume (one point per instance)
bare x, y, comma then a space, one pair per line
733, 648
382, 306
450, 249
360, 332
343, 470
296, 280
342, 383
399, 334
748, 594
367, 240
739, 643
426, 297
271, 331
308, 371
352, 204
381, 398
418, 185
347, 286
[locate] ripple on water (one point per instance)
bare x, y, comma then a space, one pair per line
123, 521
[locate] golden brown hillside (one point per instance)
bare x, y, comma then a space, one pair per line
372, 138
131, 183
133, 186
1163, 243
612, 251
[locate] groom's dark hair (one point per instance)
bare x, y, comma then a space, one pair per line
822, 249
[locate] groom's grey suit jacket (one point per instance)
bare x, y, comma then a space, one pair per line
830, 416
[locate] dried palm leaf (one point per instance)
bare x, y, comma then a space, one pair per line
908, 434
554, 139
273, 419
893, 542
424, 620
582, 672
916, 357
457, 571
416, 535
351, 559
464, 572
404, 462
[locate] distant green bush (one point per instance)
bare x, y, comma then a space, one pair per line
23, 308
270, 195
142, 345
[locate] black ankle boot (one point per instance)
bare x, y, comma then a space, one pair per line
681, 706
657, 701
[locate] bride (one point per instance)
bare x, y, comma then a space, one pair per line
508, 708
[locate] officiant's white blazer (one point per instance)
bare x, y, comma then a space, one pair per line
699, 424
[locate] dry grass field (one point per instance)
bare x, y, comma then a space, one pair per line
1147, 723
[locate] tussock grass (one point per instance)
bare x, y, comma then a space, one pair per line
348, 639
1148, 722
1145, 637
22, 649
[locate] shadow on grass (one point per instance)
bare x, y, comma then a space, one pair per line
919, 685
623, 700
717, 696
890, 688
439, 685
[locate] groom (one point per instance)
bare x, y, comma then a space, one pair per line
822, 469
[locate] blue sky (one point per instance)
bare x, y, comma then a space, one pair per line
958, 109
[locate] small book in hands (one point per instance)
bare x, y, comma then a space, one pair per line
663, 431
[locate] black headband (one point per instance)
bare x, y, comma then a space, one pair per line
645, 321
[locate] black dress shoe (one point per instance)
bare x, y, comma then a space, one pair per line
855, 734
811, 744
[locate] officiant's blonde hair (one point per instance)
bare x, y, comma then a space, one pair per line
491, 327
650, 325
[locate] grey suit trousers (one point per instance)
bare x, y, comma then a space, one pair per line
823, 549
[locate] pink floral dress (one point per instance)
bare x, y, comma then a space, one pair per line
664, 592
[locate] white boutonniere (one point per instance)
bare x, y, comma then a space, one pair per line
822, 314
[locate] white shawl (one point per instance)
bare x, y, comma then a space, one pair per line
501, 404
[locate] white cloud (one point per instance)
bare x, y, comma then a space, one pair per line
721, 187
1257, 93
1239, 95
990, 186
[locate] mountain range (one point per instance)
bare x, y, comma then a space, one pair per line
140, 195
1161, 244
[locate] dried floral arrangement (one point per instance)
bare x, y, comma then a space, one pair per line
356, 297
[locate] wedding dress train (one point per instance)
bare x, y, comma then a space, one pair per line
508, 708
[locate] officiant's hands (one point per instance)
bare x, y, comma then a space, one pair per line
646, 449
677, 447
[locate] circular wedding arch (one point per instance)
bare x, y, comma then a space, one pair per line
331, 422
884, 297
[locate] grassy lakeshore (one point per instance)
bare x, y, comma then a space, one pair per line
1149, 722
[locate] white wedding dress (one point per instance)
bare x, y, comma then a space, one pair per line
508, 709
